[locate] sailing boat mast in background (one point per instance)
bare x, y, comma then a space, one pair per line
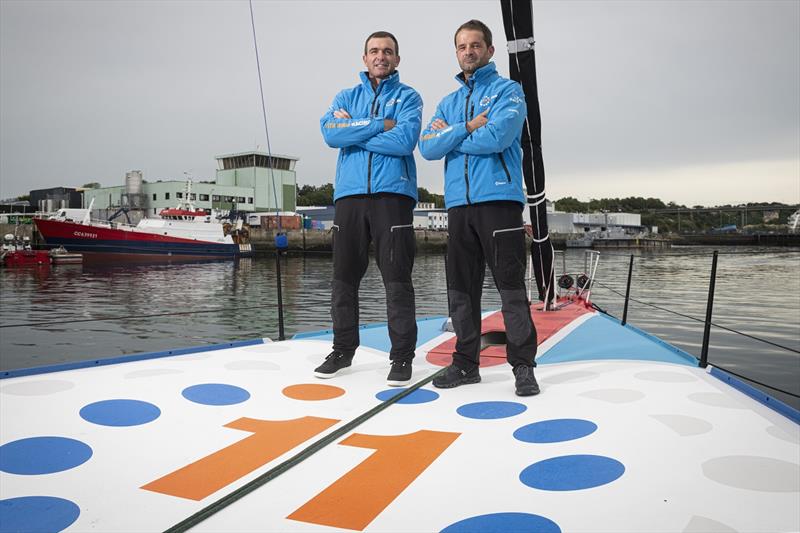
518, 24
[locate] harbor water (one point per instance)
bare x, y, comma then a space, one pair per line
69, 313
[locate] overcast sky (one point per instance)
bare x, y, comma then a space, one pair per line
696, 102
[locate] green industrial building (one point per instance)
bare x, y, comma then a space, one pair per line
246, 181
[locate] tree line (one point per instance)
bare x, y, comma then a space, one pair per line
750, 217
323, 195
646, 207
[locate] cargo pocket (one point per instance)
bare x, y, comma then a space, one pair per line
334, 232
509, 254
403, 247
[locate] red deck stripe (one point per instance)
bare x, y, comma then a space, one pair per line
547, 324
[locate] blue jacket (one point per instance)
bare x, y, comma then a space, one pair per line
372, 160
484, 165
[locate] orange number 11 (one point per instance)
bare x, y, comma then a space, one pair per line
351, 502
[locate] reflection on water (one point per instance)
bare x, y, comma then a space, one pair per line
758, 292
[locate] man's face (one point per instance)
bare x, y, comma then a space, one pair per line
471, 50
381, 58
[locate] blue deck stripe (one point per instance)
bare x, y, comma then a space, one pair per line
602, 337
760, 396
124, 359
377, 335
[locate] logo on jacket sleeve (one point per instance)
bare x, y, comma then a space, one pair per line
437, 133
486, 100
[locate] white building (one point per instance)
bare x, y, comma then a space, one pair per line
558, 222
247, 181
426, 216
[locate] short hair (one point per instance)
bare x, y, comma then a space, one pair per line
475, 25
382, 35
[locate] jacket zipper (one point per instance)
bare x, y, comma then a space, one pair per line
467, 118
373, 113
505, 168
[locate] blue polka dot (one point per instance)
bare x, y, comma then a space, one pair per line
418, 396
120, 413
215, 394
572, 472
486, 410
503, 523
559, 430
42, 455
37, 513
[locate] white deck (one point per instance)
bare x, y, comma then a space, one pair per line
674, 448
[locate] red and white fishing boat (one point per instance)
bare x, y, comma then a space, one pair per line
182, 233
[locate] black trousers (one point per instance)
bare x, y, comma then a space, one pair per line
387, 220
493, 233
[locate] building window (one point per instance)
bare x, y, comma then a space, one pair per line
166, 196
215, 198
249, 200
154, 197
203, 197
254, 160
192, 196
229, 198
240, 199
154, 210
178, 195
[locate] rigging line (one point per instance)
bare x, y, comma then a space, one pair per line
598, 308
264, 114
266, 477
756, 382
775, 344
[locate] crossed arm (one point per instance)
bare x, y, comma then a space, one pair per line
491, 131
380, 135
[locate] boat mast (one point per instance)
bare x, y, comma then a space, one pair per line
518, 24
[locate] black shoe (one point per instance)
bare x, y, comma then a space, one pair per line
526, 382
454, 376
400, 374
334, 363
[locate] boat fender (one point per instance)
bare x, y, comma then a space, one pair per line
281, 241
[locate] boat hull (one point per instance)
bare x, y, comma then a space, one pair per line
20, 258
103, 243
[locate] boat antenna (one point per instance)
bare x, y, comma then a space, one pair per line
281, 241
264, 114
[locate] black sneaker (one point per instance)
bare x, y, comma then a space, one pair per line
400, 374
526, 382
334, 363
454, 376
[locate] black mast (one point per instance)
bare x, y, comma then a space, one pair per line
518, 23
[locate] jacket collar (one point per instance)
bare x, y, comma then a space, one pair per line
394, 79
482, 75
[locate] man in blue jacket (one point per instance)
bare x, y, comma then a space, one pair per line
375, 125
477, 129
